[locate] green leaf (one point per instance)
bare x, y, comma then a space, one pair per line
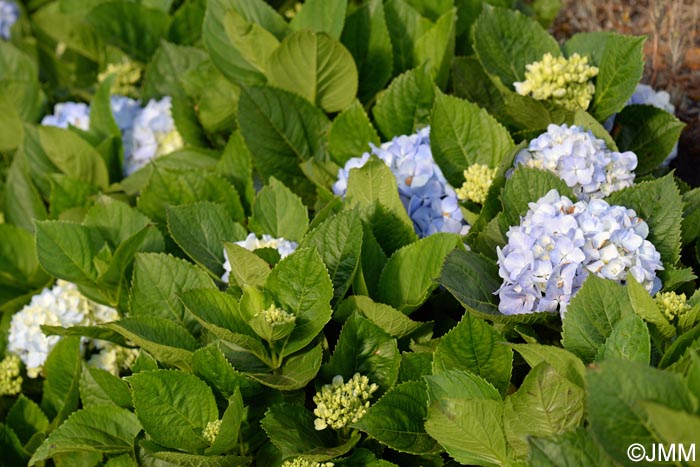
648, 132
617, 386
629, 340
12, 449
66, 250
470, 430
201, 229
137, 33
660, 205
174, 407
300, 285
157, 282
674, 427
367, 38
25, 418
62, 372
247, 268
236, 164
389, 319
165, 72
295, 373
101, 429
321, 16
396, 420
19, 265
406, 26
351, 134
436, 47
20, 85
116, 221
576, 448
239, 38
23, 203
564, 362
474, 346
210, 365
339, 241
282, 130
415, 366
620, 69
291, 429
215, 98
73, 156
409, 276
227, 438
165, 340
99, 387
405, 105
458, 384
279, 212
592, 315
178, 459
364, 348
506, 41
373, 190
219, 309
463, 134
546, 404
178, 187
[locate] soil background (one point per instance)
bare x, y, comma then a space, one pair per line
672, 52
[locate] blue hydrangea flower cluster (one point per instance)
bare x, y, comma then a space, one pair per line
9, 14
583, 161
429, 200
147, 132
646, 95
559, 242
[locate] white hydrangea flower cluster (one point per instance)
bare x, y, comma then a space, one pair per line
672, 305
430, 201
477, 181
564, 81
147, 132
559, 242
646, 95
61, 305
211, 431
10, 379
9, 14
583, 161
252, 243
339, 404
277, 316
301, 462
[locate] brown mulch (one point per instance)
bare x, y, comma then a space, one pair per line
672, 53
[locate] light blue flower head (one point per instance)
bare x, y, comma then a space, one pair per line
559, 242
154, 134
583, 161
69, 113
9, 14
429, 200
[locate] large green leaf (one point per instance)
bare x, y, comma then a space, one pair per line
505, 41
474, 346
279, 212
62, 372
618, 386
296, 371
459, 384
174, 407
102, 429
351, 134
157, 282
321, 16
463, 134
137, 33
405, 105
564, 362
364, 348
25, 418
576, 448
406, 26
396, 420
367, 38
165, 73
436, 47
389, 319
629, 340
282, 130
649, 132
19, 84
66, 250
410, 274
19, 266
100, 387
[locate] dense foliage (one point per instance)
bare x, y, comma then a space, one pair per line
337, 233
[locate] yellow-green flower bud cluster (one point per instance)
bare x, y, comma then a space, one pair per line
339, 404
672, 305
564, 81
211, 431
276, 316
477, 181
301, 462
10, 379
128, 74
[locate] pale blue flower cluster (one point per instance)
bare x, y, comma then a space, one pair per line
583, 161
429, 200
559, 242
9, 14
147, 132
646, 95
